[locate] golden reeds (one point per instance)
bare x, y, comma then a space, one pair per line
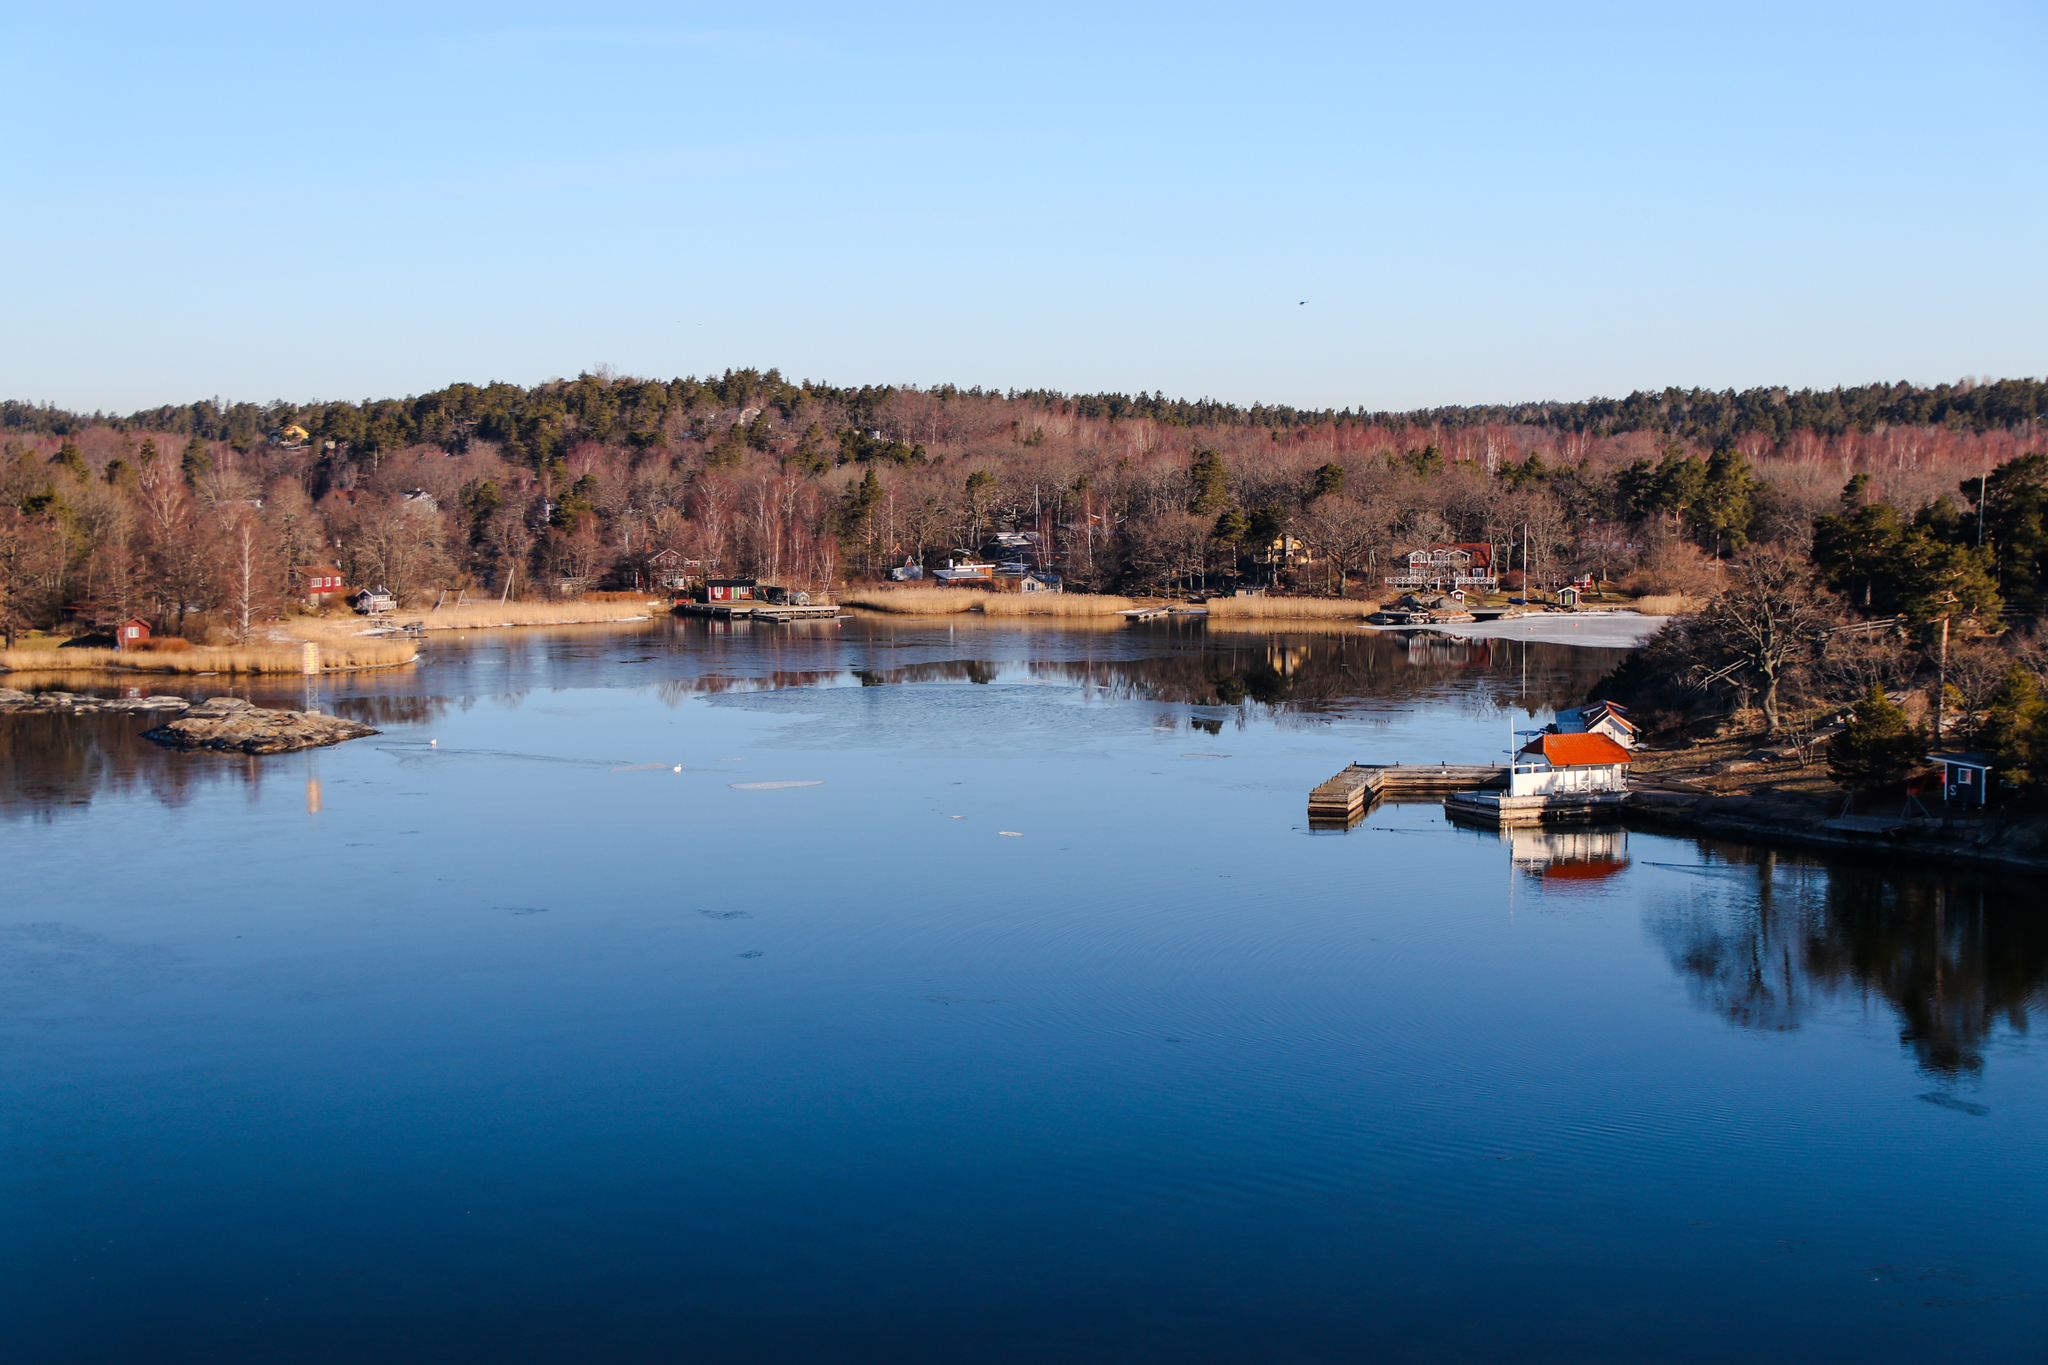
348, 654
486, 615
1312, 608
953, 601
1668, 604
1054, 604
915, 601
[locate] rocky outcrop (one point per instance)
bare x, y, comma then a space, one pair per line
66, 703
225, 724
232, 725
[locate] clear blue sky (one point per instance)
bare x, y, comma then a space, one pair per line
1308, 204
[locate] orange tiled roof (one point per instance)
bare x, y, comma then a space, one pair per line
1577, 751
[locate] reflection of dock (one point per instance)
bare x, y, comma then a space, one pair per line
756, 611
1351, 793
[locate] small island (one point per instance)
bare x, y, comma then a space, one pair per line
223, 724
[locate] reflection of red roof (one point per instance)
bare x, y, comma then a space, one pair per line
1584, 872
1577, 751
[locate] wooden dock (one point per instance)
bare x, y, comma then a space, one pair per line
1352, 792
757, 611
1501, 811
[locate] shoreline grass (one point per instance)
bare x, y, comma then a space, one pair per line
1667, 604
482, 616
956, 601
1300, 608
334, 656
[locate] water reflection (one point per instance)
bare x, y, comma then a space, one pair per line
1187, 665
1764, 940
1563, 856
53, 763
1287, 677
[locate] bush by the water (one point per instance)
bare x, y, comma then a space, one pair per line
1878, 747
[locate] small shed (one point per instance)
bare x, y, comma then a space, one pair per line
729, 589
1568, 597
373, 601
1965, 778
131, 633
1558, 764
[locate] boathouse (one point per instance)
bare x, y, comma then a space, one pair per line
1559, 765
729, 589
1965, 778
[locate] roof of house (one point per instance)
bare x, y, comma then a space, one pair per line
1601, 710
1577, 751
1969, 758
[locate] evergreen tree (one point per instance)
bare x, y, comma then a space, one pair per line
1209, 484
1937, 580
1725, 503
2015, 732
196, 459
1858, 552
730, 451
2015, 524
1878, 746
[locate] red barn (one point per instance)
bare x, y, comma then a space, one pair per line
131, 633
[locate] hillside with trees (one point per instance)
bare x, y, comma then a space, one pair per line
1791, 511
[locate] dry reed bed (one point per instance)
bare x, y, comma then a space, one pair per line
954, 601
349, 654
1309, 608
483, 616
1668, 604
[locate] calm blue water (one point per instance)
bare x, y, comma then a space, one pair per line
528, 1046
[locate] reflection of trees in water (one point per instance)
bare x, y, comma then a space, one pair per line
53, 763
1765, 939
381, 711
1304, 673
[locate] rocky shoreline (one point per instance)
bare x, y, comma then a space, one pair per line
221, 724
1992, 840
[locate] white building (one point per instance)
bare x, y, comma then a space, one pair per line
1559, 765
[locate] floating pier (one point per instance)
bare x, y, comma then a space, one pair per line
1351, 793
1501, 811
757, 611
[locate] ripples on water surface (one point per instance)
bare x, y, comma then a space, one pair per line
527, 1046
